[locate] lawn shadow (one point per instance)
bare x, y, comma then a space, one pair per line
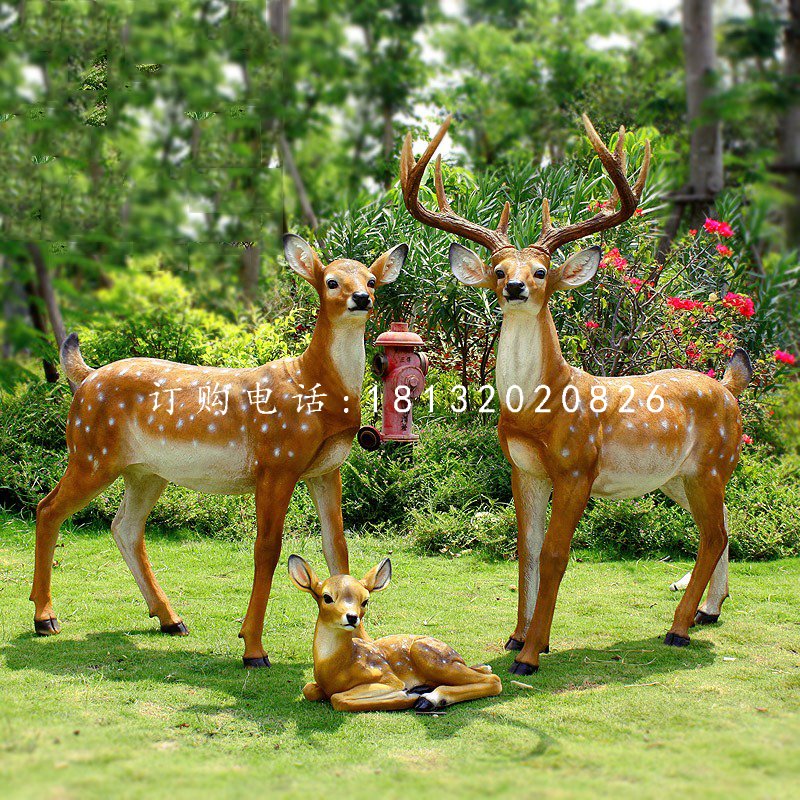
272, 698
631, 662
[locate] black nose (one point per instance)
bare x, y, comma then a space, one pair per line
352, 619
361, 299
515, 289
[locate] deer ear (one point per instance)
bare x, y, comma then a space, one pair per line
303, 577
468, 268
378, 577
578, 269
301, 257
387, 266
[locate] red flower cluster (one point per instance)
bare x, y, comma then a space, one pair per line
684, 304
692, 231
785, 358
692, 352
715, 226
747, 439
724, 250
591, 324
613, 258
741, 303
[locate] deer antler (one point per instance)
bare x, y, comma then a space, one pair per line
608, 216
445, 219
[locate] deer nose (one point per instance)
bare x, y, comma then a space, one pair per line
352, 619
514, 289
361, 300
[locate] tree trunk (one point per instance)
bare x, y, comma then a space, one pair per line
40, 323
706, 177
790, 127
388, 145
302, 195
705, 160
48, 295
251, 270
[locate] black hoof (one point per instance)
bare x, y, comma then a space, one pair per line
521, 668
252, 663
673, 640
701, 618
420, 690
46, 627
175, 629
423, 705
514, 644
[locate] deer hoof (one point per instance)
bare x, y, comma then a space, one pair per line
514, 644
175, 629
46, 627
420, 690
521, 668
674, 640
252, 663
701, 618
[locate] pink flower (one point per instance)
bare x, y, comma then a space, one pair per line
747, 439
740, 302
785, 358
639, 212
724, 250
692, 231
712, 373
720, 228
692, 352
684, 304
613, 258
591, 324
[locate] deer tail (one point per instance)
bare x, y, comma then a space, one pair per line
738, 373
72, 361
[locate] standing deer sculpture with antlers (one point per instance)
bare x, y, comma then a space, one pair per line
223, 431
575, 435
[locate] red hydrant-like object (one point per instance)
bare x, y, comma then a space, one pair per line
400, 366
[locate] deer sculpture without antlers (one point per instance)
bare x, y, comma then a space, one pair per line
357, 673
223, 431
576, 435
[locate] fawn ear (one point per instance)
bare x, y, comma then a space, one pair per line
303, 577
301, 257
378, 577
468, 267
577, 269
386, 267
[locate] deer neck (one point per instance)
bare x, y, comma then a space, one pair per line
528, 353
337, 348
332, 643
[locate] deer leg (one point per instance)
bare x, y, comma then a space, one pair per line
273, 494
373, 697
326, 492
313, 692
708, 508
455, 683
141, 494
531, 495
74, 491
569, 502
718, 585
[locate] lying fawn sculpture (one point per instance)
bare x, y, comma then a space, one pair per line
224, 431
576, 435
357, 673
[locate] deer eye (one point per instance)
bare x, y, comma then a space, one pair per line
364, 604
499, 274
332, 284
540, 273
371, 283
327, 598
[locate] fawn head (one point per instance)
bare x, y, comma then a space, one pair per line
522, 279
346, 288
342, 599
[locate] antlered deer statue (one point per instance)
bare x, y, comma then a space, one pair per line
223, 431
575, 435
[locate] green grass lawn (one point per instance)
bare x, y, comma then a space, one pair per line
111, 708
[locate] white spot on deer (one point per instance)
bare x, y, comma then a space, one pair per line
150, 419
591, 438
576, 473
629, 425
111, 420
284, 425
123, 371
264, 427
88, 408
77, 422
140, 398
194, 383
139, 374
572, 429
565, 452
90, 457
122, 405
713, 471
211, 427
161, 427
242, 428
105, 451
699, 392
664, 424
194, 442
179, 423
87, 429
277, 451
191, 417
291, 454
231, 444
101, 397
